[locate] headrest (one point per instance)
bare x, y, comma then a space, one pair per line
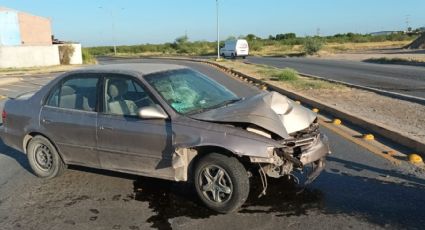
117, 88
67, 90
113, 91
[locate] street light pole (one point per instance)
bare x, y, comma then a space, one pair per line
218, 32
113, 34
113, 28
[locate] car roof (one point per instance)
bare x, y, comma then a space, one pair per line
142, 68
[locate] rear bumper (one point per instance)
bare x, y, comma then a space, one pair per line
10, 140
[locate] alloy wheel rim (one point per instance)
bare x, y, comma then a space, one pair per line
215, 184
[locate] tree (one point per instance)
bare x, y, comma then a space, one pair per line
181, 44
312, 45
230, 38
182, 40
285, 36
251, 37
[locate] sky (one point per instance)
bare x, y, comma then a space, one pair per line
128, 22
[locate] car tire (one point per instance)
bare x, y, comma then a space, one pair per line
243, 57
233, 56
222, 54
221, 182
44, 159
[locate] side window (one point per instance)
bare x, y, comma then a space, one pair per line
75, 93
124, 96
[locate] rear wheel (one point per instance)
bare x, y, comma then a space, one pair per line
44, 158
233, 56
221, 182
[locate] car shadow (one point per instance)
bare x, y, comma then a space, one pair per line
411, 180
384, 203
18, 156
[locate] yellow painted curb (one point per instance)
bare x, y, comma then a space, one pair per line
263, 87
316, 110
359, 142
298, 102
390, 152
415, 158
368, 137
336, 122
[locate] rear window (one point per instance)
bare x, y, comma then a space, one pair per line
75, 93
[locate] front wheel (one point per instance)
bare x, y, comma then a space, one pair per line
43, 158
221, 182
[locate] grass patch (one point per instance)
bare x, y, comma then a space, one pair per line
286, 78
309, 84
88, 58
279, 45
286, 74
405, 61
38, 70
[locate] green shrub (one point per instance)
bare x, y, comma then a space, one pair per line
286, 74
88, 58
312, 45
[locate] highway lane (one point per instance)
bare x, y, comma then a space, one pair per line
357, 190
403, 79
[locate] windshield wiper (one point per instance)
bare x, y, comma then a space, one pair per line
225, 103
219, 105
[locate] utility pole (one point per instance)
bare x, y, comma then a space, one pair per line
113, 34
218, 32
112, 27
407, 23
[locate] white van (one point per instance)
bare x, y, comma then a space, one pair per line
235, 48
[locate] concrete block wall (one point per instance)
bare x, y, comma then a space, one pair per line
19, 28
28, 56
10, 34
34, 30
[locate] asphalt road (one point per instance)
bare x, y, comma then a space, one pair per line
357, 190
403, 79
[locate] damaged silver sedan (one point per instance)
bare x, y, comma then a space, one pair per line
164, 121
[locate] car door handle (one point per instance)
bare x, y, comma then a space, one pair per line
105, 128
47, 121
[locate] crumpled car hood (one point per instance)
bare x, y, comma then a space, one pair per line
271, 111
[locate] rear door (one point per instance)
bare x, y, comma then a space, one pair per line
126, 142
69, 118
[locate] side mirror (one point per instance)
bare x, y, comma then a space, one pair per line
152, 112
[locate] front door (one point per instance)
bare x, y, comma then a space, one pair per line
69, 119
126, 142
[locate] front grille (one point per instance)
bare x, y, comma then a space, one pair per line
302, 140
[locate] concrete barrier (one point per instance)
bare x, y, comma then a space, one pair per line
34, 56
28, 56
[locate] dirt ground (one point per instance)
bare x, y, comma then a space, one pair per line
406, 117
361, 55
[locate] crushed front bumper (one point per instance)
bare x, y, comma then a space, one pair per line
318, 150
315, 157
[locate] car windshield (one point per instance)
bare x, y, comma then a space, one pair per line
190, 92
